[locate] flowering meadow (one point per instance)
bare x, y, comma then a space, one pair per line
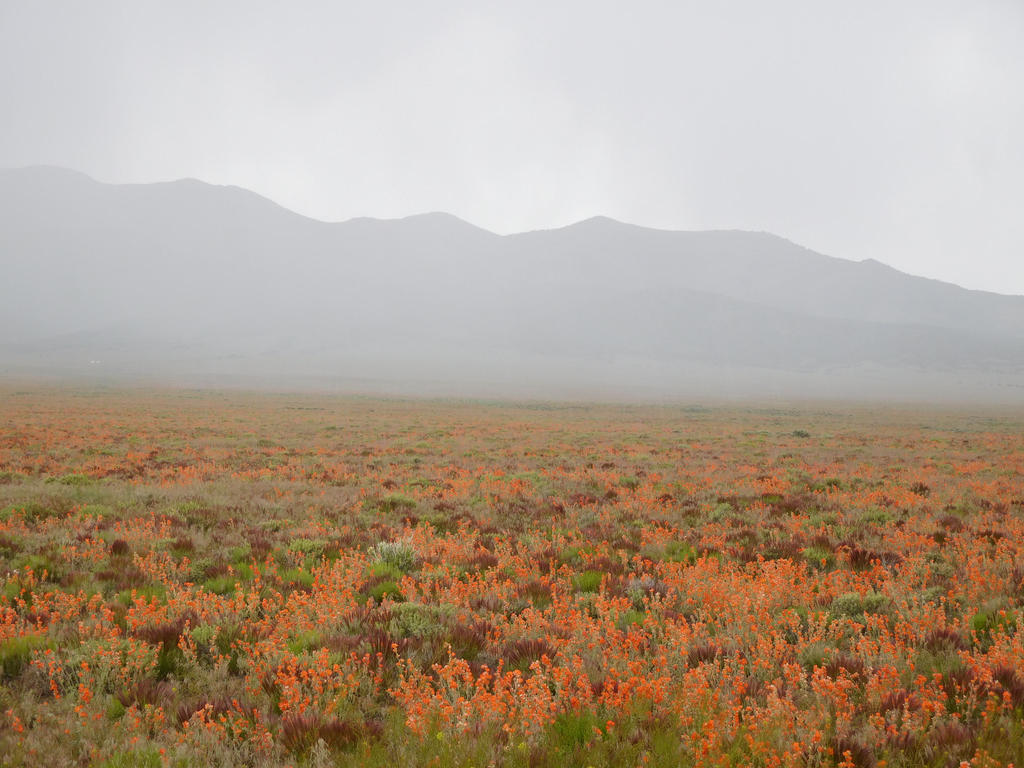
236, 579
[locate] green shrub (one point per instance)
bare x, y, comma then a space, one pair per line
418, 621
853, 605
137, 758
9, 547
16, 652
942, 662
397, 554
275, 525
40, 564
244, 572
75, 480
30, 512
680, 552
875, 602
992, 619
847, 604
574, 554
385, 571
814, 655
220, 585
386, 589
203, 635
307, 546
296, 576
197, 568
587, 581
393, 502
572, 730
630, 617
148, 592
305, 641
115, 709
96, 510
819, 557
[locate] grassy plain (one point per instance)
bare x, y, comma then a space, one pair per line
204, 578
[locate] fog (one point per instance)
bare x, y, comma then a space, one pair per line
195, 284
580, 200
862, 130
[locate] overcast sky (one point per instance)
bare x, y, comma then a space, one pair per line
889, 130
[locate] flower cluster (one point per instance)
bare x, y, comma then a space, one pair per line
308, 580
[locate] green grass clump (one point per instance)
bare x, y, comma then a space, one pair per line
417, 621
221, 585
313, 547
396, 554
16, 652
572, 730
630, 618
819, 557
147, 592
296, 577
75, 480
587, 581
306, 641
142, 758
387, 589
386, 571
680, 552
115, 709
856, 606
393, 502
203, 635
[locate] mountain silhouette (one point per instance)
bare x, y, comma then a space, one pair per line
184, 280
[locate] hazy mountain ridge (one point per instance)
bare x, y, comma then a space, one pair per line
191, 272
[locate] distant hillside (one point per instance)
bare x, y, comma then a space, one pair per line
186, 280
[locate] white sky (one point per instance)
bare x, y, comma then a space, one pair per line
890, 130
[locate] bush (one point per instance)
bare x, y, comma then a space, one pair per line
148, 758
307, 546
819, 557
629, 618
813, 655
587, 581
394, 501
220, 585
75, 480
680, 552
96, 510
386, 589
203, 635
297, 577
418, 621
571, 730
306, 641
16, 652
853, 605
397, 554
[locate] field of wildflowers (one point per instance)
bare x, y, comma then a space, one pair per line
199, 578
